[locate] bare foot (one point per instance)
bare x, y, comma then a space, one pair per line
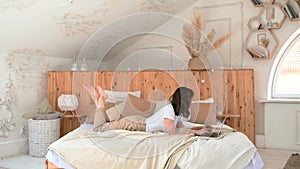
98, 97
101, 92
92, 92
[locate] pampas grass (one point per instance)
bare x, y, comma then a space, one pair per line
219, 43
196, 43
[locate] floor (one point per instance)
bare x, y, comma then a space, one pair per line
22, 162
273, 159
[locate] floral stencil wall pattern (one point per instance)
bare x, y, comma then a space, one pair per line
27, 74
71, 23
16, 4
6, 98
28, 69
157, 6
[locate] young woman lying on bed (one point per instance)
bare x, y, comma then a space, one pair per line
167, 119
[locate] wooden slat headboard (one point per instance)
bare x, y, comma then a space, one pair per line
236, 85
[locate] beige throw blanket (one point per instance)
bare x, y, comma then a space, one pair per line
121, 149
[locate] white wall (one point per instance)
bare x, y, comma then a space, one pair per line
238, 59
282, 124
23, 86
38, 36
262, 68
228, 13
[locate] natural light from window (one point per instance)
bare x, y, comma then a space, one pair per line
286, 82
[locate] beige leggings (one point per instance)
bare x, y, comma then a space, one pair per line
101, 123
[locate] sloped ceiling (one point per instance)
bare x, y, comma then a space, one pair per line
60, 28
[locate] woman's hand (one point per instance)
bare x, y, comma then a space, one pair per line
205, 129
170, 126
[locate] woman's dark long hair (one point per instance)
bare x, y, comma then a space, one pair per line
181, 100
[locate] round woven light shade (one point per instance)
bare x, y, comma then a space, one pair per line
67, 102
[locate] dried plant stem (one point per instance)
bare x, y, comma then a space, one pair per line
219, 43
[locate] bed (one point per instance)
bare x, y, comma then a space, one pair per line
84, 148
76, 148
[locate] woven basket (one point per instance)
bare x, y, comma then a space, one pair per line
41, 134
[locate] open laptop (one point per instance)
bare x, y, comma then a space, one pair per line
203, 113
217, 131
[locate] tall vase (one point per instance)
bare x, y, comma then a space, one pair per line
196, 64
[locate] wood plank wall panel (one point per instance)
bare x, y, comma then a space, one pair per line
218, 89
160, 89
79, 79
104, 79
240, 95
58, 83
159, 85
249, 104
187, 79
231, 102
61, 83
205, 85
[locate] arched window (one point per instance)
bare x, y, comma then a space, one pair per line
284, 82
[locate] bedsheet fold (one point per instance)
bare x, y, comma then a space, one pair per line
233, 151
121, 149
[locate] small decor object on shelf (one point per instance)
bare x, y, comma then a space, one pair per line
198, 45
74, 65
271, 16
83, 65
261, 44
255, 23
292, 9
260, 3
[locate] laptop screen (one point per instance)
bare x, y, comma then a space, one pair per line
203, 113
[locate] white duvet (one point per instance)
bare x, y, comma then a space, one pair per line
233, 151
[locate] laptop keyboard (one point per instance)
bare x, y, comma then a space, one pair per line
213, 134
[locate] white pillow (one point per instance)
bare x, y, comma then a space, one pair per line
114, 112
115, 96
160, 104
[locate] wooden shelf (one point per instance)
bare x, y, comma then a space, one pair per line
254, 44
